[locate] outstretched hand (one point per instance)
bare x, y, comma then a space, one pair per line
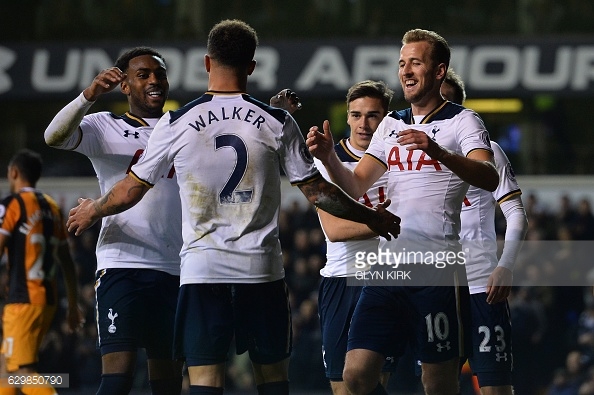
386, 224
287, 100
320, 144
82, 216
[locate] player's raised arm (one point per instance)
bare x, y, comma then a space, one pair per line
67, 120
355, 183
122, 196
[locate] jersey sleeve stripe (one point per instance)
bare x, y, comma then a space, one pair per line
307, 180
377, 160
509, 195
474, 149
140, 180
80, 135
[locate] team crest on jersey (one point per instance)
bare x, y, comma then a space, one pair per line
434, 132
305, 154
112, 328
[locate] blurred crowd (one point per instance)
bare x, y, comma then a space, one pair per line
191, 19
553, 326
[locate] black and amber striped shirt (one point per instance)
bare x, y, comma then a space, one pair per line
34, 225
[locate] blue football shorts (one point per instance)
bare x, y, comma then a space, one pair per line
136, 309
209, 316
337, 301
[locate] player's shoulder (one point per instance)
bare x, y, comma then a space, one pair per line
4, 203
236, 102
344, 153
106, 120
400, 115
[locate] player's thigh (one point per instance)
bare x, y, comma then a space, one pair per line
491, 358
123, 314
438, 314
336, 304
160, 292
24, 326
263, 321
204, 324
380, 322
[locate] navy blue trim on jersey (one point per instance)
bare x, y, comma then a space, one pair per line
448, 111
343, 152
130, 120
277, 113
175, 115
378, 160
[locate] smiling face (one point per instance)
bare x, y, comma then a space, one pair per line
364, 116
419, 75
146, 86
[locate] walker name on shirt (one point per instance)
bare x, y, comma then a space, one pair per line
226, 114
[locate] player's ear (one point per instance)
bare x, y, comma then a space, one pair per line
207, 63
251, 67
12, 172
441, 71
125, 88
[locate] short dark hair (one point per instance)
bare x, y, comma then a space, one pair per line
455, 81
123, 61
374, 89
28, 163
440, 49
232, 43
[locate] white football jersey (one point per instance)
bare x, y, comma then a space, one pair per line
425, 194
341, 256
147, 236
227, 151
478, 222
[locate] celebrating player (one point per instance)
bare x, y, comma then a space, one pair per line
227, 147
432, 151
367, 105
138, 262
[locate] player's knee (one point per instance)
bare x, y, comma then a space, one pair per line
357, 381
115, 384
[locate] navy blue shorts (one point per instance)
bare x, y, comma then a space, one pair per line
337, 303
136, 309
433, 318
210, 315
491, 359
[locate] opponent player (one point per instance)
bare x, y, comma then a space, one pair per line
367, 105
227, 148
33, 234
138, 262
432, 151
489, 278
